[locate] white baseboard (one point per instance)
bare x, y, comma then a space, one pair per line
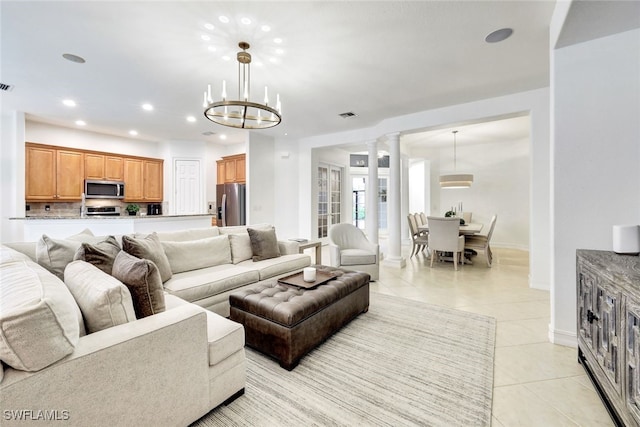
565, 338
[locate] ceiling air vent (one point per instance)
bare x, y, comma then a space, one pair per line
347, 115
208, 133
5, 87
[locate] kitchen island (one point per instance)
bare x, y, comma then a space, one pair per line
33, 227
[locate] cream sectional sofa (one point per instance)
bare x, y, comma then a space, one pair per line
169, 368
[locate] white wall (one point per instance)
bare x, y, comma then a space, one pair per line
596, 153
12, 165
260, 177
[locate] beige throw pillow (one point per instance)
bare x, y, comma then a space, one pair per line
196, 254
55, 254
103, 299
264, 244
101, 254
150, 248
142, 278
240, 247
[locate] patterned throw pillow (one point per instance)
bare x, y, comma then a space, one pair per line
264, 243
142, 278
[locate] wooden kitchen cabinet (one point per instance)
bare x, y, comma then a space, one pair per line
53, 174
144, 180
103, 166
232, 169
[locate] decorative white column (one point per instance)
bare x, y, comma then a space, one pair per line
394, 256
404, 208
371, 203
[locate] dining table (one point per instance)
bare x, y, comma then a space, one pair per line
465, 230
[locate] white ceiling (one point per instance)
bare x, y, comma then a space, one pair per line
378, 59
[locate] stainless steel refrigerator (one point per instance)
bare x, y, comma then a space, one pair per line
230, 199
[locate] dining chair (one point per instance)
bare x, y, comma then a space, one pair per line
420, 240
467, 217
481, 242
444, 236
423, 217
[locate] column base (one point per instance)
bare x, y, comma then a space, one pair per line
398, 262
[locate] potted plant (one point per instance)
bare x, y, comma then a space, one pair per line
132, 209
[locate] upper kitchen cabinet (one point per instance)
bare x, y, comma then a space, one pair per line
232, 169
103, 166
144, 180
53, 174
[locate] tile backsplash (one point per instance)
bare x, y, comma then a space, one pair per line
72, 209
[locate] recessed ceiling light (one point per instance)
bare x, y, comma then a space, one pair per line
211, 48
133, 132
205, 37
69, 102
147, 107
499, 35
279, 51
277, 40
226, 57
73, 58
81, 123
223, 136
246, 21
265, 28
223, 19
191, 119
209, 26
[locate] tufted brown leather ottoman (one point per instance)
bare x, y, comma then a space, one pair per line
286, 322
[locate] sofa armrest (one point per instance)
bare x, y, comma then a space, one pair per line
288, 247
153, 371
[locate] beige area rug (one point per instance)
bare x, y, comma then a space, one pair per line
403, 363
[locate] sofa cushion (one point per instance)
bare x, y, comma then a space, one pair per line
195, 254
148, 247
103, 299
142, 278
38, 317
101, 254
189, 234
205, 282
240, 247
241, 229
225, 336
356, 257
278, 266
264, 243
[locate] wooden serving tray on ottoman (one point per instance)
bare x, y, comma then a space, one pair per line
286, 321
297, 279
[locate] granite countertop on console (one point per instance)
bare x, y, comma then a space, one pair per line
98, 217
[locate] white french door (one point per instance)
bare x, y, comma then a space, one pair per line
329, 198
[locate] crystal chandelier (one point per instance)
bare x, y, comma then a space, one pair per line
242, 113
455, 180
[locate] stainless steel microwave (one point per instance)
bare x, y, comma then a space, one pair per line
94, 189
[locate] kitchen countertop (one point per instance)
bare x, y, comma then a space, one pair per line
98, 217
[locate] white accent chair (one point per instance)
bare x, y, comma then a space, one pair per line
350, 249
444, 236
420, 240
480, 242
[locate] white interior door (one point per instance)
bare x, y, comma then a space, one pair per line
188, 187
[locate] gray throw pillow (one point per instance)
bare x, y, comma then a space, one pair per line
142, 278
264, 243
150, 248
101, 254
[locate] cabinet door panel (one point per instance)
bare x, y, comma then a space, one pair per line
40, 173
230, 171
133, 180
153, 180
69, 175
240, 170
114, 168
633, 358
608, 310
93, 166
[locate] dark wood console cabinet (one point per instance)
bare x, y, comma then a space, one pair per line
608, 315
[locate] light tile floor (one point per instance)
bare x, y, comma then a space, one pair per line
536, 383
